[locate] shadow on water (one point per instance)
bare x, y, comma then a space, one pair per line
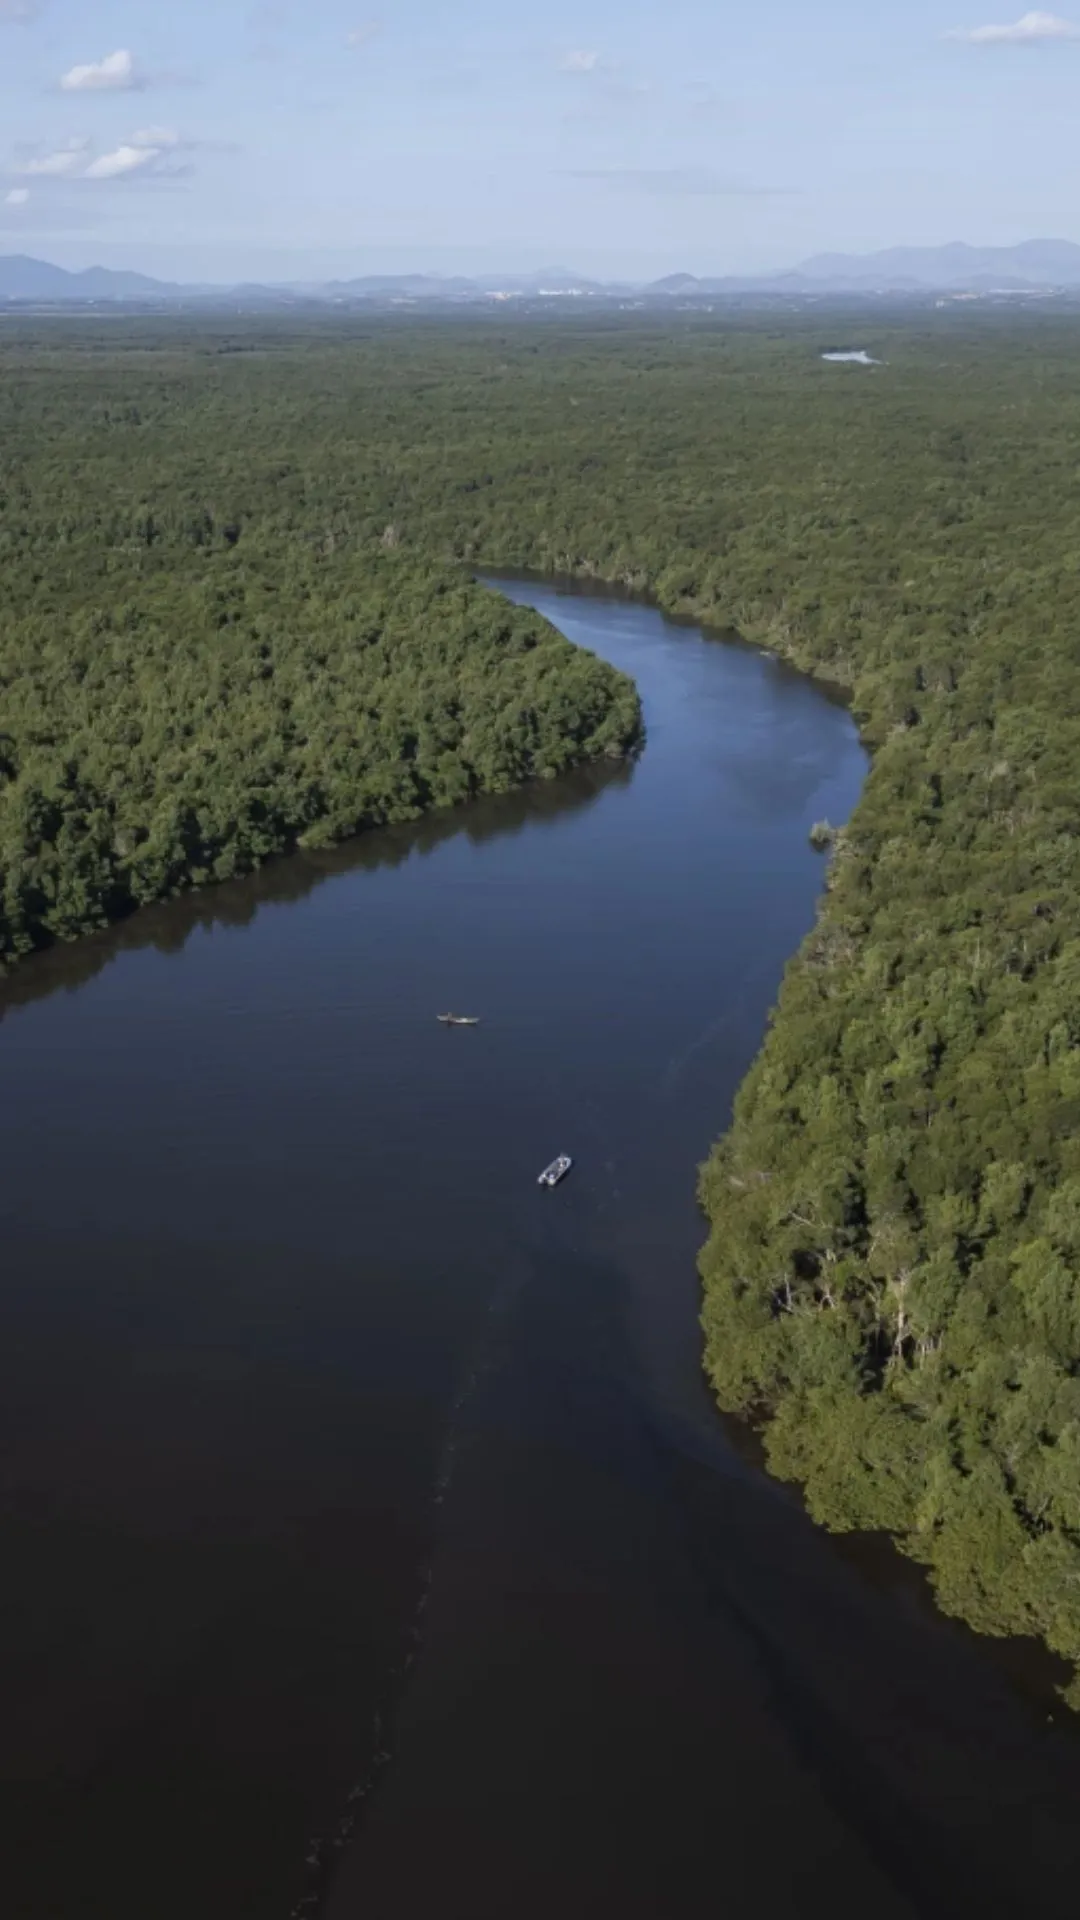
215, 1502
296, 1360
1038, 1675
168, 925
601, 1590
191, 1530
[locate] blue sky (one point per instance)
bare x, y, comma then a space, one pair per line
224, 139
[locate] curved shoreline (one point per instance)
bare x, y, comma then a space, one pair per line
440, 703
281, 1349
894, 1493
589, 584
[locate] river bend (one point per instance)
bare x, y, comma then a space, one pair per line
349, 1483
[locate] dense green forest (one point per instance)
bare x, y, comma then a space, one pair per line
192, 679
237, 610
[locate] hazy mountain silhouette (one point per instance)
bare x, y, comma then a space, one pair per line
1033, 265
22, 278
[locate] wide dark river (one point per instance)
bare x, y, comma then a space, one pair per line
349, 1482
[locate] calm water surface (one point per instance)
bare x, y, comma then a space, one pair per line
348, 1481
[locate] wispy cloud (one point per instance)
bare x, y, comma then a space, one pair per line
362, 35
1028, 31
673, 180
580, 60
18, 9
61, 164
117, 73
121, 161
18, 197
151, 150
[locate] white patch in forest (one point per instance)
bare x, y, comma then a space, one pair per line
857, 357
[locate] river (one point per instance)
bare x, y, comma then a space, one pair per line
351, 1485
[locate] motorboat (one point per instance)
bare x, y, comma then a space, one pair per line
557, 1171
458, 1019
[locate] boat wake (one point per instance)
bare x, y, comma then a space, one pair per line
325, 1851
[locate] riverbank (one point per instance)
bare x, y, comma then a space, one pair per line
174, 719
301, 1233
437, 1493
766, 633
831, 1331
894, 1259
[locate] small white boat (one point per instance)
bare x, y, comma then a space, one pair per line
458, 1019
557, 1171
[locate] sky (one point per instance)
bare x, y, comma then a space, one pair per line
274, 139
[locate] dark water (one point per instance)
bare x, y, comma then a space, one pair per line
345, 1477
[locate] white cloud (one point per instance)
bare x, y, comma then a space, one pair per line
18, 197
1027, 31
59, 165
151, 150
367, 31
579, 60
117, 73
122, 160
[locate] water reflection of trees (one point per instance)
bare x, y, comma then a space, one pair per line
168, 925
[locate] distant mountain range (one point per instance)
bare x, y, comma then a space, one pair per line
1032, 266
24, 279
956, 268
37, 281
1035, 266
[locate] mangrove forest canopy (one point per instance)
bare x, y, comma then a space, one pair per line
238, 612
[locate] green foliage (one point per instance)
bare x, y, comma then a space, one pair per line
235, 612
186, 687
